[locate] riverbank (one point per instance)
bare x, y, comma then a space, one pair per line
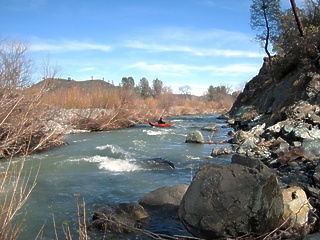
70, 121
276, 120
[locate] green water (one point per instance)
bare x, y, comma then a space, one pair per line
113, 167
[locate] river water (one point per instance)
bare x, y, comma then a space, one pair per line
112, 167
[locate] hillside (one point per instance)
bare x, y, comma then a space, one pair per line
53, 85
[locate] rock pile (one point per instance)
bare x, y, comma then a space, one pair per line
276, 121
290, 147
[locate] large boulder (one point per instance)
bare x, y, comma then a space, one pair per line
122, 218
231, 200
195, 137
164, 197
250, 162
246, 113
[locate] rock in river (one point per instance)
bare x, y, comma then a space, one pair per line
195, 137
121, 218
164, 197
211, 127
231, 200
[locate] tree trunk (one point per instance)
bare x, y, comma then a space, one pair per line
268, 33
297, 17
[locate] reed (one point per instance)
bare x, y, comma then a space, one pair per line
16, 186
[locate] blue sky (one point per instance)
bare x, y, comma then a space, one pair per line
181, 42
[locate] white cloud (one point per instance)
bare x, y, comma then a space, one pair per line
195, 51
189, 35
68, 46
87, 69
181, 69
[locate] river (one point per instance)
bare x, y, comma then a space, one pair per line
111, 167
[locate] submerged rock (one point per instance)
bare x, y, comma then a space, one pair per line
164, 197
160, 162
211, 127
122, 218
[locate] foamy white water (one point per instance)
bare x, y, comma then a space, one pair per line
113, 149
153, 133
118, 166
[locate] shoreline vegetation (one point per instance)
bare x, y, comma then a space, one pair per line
95, 105
36, 117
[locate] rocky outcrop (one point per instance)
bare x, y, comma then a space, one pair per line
231, 200
277, 120
275, 89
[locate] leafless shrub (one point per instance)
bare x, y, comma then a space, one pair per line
22, 131
15, 66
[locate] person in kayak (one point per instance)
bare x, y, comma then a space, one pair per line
161, 121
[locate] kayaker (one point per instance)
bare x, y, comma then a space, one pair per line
161, 121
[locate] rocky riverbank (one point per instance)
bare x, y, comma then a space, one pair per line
271, 189
290, 149
69, 121
276, 122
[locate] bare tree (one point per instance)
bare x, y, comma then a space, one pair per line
22, 117
49, 70
265, 16
15, 65
186, 91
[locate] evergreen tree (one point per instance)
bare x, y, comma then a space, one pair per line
302, 42
265, 17
144, 88
211, 93
157, 87
128, 83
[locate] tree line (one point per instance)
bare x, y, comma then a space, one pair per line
146, 90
